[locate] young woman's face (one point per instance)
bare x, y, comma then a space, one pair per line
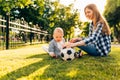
89, 13
58, 37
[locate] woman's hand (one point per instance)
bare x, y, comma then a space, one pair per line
68, 45
73, 40
79, 43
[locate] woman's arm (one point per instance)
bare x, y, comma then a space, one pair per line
80, 43
73, 40
91, 39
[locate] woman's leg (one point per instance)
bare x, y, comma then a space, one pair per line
90, 49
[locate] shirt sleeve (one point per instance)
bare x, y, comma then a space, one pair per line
94, 36
51, 47
90, 29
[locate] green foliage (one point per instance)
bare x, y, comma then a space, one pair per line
111, 6
112, 14
46, 14
7, 5
85, 28
61, 16
32, 63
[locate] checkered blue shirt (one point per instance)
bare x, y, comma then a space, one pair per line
101, 41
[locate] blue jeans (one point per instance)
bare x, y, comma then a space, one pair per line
90, 49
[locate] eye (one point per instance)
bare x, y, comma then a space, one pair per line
87, 12
60, 37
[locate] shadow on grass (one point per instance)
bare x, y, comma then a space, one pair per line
24, 71
63, 70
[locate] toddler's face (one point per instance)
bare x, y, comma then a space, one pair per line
58, 37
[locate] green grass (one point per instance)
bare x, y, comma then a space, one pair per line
32, 63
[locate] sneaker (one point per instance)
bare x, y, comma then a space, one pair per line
79, 54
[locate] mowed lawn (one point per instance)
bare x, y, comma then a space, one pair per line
32, 63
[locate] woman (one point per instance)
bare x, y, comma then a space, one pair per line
98, 43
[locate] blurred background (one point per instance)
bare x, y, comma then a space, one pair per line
25, 22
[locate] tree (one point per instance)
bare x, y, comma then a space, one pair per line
63, 16
112, 14
7, 5
46, 13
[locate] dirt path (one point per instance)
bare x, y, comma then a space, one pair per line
26, 49
33, 49
116, 45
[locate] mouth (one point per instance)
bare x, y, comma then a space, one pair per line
58, 40
89, 17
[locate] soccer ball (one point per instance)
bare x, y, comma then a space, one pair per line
68, 54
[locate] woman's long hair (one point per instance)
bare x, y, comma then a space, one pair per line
99, 18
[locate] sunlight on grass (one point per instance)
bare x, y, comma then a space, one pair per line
35, 74
72, 73
115, 52
49, 79
32, 63
7, 66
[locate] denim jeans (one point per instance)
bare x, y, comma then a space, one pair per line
90, 49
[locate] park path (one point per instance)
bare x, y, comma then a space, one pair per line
116, 45
33, 49
26, 49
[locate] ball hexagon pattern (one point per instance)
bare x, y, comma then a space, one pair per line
68, 54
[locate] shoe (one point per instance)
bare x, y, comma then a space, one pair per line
79, 54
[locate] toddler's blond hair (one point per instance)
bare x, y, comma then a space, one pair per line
58, 30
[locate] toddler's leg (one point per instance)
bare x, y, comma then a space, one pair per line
45, 48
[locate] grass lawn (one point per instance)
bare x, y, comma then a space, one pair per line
32, 63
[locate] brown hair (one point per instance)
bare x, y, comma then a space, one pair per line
99, 18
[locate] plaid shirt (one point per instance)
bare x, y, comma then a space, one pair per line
101, 41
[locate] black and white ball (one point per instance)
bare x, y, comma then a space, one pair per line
68, 54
